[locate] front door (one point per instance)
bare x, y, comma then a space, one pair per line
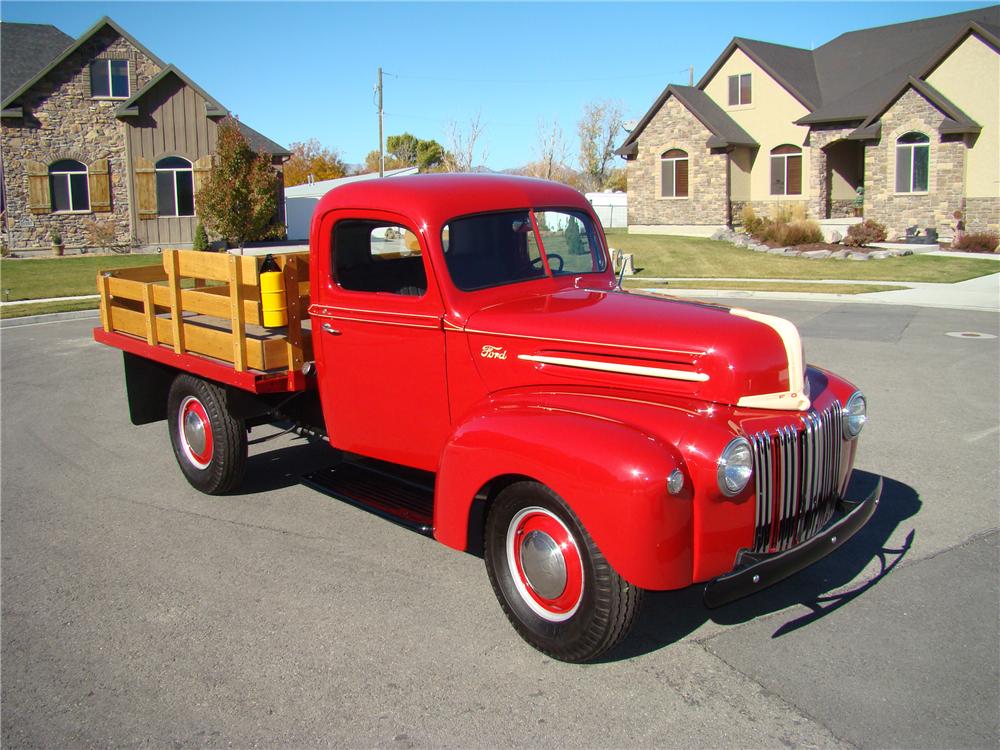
376, 326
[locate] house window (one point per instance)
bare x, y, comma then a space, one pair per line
786, 170
174, 187
912, 159
109, 78
739, 89
68, 185
674, 174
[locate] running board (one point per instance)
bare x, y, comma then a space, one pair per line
396, 493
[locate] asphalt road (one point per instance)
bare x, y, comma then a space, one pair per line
137, 612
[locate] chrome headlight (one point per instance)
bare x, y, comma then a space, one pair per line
855, 415
735, 467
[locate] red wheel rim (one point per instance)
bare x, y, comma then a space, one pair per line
195, 431
545, 563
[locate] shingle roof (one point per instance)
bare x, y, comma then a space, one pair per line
130, 108
26, 48
259, 141
792, 67
725, 131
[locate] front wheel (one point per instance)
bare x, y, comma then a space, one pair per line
552, 581
209, 443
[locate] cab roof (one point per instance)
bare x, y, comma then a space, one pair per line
436, 198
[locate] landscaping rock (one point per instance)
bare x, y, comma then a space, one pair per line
858, 256
815, 254
723, 235
880, 255
840, 254
760, 248
776, 250
836, 236
740, 241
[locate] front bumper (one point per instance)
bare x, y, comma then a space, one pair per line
755, 572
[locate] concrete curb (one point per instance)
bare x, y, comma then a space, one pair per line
28, 320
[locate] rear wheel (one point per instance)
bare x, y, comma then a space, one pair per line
552, 581
209, 443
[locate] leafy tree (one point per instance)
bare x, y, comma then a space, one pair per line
599, 129
430, 155
240, 197
200, 238
311, 158
407, 150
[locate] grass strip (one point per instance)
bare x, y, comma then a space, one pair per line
42, 308
660, 255
763, 286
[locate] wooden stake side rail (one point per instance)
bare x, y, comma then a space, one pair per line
150, 303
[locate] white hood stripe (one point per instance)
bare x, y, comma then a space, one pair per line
793, 398
589, 364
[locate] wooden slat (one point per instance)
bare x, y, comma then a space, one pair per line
140, 273
150, 308
104, 286
215, 266
212, 300
236, 312
294, 335
202, 340
171, 262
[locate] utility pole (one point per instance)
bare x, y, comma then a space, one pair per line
691, 76
381, 148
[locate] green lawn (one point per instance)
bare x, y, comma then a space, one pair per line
662, 256
38, 278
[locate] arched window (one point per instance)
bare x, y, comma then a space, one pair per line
912, 158
674, 174
174, 187
786, 170
68, 185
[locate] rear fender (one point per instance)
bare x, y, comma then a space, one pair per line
611, 474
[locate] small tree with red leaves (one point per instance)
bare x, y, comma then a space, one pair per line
239, 199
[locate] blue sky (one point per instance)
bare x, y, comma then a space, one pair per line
299, 70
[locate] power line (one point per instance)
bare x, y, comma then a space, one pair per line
521, 82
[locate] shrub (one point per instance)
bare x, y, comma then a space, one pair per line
200, 238
801, 232
55, 237
865, 233
978, 242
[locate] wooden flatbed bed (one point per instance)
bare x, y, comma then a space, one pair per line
202, 313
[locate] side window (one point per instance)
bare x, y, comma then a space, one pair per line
69, 186
377, 256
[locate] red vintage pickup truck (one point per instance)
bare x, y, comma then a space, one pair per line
464, 343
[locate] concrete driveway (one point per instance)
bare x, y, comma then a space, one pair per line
138, 612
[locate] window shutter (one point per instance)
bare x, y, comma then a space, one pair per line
202, 172
681, 166
794, 175
100, 186
145, 188
39, 196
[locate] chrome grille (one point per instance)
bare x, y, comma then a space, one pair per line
796, 470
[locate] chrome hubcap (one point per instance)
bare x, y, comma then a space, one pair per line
543, 564
194, 432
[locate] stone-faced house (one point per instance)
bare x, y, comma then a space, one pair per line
100, 134
909, 112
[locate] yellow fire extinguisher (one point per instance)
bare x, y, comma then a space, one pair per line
272, 294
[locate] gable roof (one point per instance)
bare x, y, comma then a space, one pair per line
955, 121
851, 76
100, 25
791, 67
859, 71
724, 129
130, 108
26, 48
260, 142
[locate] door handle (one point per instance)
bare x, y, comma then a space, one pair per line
330, 329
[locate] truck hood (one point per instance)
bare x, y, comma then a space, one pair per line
640, 341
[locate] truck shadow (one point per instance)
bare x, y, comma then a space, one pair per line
669, 616
276, 468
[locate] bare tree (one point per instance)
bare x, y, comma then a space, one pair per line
461, 156
551, 151
599, 130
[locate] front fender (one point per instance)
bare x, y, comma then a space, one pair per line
612, 475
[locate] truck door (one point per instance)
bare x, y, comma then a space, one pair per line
376, 326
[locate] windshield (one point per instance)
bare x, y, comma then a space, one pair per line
502, 248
